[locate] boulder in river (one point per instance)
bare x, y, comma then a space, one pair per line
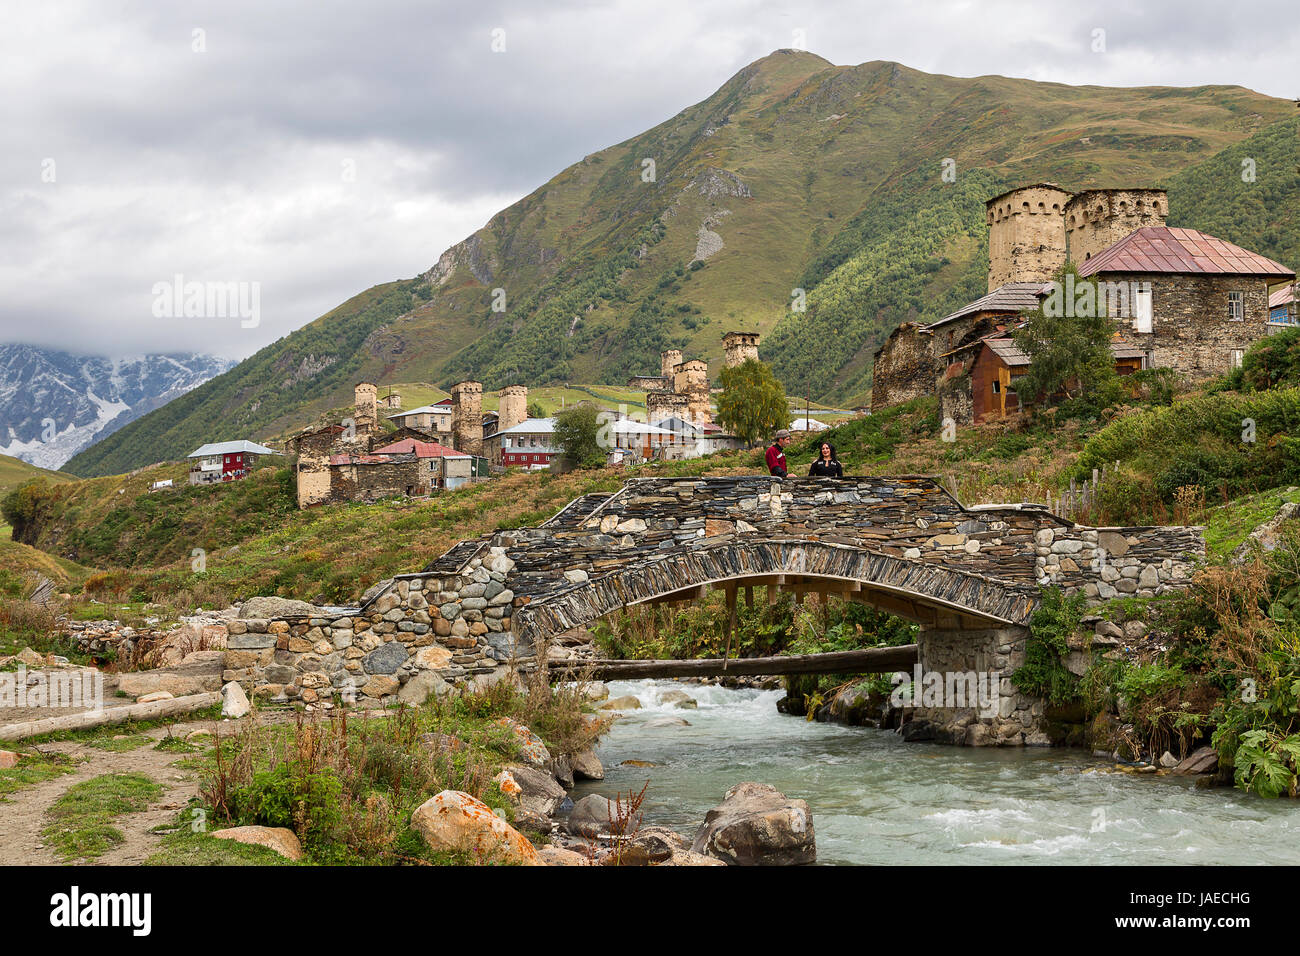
1200, 760
668, 722
627, 702
652, 845
678, 698
586, 765
757, 825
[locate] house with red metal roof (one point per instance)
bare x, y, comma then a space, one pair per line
1192, 302
1186, 300
439, 465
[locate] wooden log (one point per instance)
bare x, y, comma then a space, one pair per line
872, 660
110, 715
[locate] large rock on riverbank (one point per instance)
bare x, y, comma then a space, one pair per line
280, 839
757, 825
454, 820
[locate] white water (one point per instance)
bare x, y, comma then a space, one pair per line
875, 799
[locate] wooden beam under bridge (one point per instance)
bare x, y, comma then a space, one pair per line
872, 660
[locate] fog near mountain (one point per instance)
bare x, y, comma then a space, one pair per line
54, 404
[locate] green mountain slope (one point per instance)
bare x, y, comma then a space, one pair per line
795, 174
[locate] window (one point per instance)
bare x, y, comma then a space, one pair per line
1236, 306
1236, 356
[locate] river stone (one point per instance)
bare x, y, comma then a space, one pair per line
757, 825
667, 722
852, 705
558, 856
626, 702
538, 790
594, 816
386, 658
652, 845
586, 766
678, 698
276, 607
1200, 760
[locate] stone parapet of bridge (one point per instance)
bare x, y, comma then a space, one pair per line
909, 517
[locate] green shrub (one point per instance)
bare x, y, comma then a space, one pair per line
1043, 673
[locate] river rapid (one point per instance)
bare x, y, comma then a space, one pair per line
875, 799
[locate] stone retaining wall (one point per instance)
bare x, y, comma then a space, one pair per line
421, 634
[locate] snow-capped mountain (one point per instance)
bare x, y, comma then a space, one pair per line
54, 404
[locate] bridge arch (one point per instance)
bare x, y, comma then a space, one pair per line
932, 595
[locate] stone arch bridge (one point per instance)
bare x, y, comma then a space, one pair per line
970, 576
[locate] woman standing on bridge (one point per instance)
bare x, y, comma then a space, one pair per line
826, 464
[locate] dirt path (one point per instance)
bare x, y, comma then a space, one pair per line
23, 815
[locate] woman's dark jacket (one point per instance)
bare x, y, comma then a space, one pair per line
826, 469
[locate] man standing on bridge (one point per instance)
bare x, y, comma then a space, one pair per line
776, 454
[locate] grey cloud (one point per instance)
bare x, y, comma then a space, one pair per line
225, 165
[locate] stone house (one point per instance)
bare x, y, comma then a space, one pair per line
440, 466
1187, 300
368, 478
1193, 302
912, 359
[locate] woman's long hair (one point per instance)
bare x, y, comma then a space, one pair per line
819, 451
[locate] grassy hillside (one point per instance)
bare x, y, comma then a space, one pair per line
15, 471
810, 175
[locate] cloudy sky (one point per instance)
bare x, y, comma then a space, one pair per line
316, 148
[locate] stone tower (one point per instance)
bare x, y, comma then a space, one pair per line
668, 361
1026, 234
513, 407
366, 413
467, 417
691, 379
740, 347
1098, 218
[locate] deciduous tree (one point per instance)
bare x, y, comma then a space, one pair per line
752, 404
